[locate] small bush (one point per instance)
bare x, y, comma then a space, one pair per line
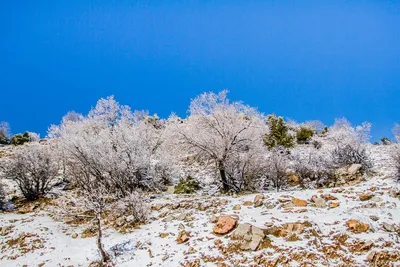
386, 141
304, 134
278, 134
351, 154
396, 159
136, 205
33, 168
187, 186
20, 139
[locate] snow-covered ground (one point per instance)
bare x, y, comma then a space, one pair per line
324, 239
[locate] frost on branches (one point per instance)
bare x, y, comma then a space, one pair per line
227, 133
34, 167
119, 149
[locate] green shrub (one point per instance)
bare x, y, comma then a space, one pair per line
278, 134
187, 186
386, 141
304, 134
20, 139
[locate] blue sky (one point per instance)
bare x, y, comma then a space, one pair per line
299, 59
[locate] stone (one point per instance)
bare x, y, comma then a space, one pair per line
250, 236
299, 202
376, 199
258, 201
354, 169
170, 189
365, 196
333, 205
213, 219
183, 237
374, 218
293, 179
75, 235
319, 202
357, 226
164, 235
236, 207
389, 227
248, 203
120, 221
329, 197
225, 224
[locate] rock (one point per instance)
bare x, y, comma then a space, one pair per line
299, 202
250, 236
349, 175
354, 169
357, 226
328, 197
170, 189
333, 205
236, 207
74, 236
376, 199
365, 196
183, 237
293, 179
389, 227
164, 235
213, 219
258, 201
169, 218
320, 202
157, 207
248, 203
374, 218
225, 224
120, 221
181, 227
175, 205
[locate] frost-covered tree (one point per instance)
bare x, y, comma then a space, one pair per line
4, 132
34, 168
396, 159
115, 147
396, 132
227, 133
277, 167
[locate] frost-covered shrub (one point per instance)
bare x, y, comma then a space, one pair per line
396, 132
277, 168
227, 134
4, 132
120, 150
349, 154
304, 135
278, 134
135, 206
34, 168
349, 144
396, 159
189, 185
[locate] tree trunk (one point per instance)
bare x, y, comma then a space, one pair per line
103, 253
222, 173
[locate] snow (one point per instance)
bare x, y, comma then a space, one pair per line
145, 246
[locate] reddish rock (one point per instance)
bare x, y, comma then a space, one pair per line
299, 202
225, 224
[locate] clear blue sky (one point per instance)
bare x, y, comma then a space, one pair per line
300, 59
